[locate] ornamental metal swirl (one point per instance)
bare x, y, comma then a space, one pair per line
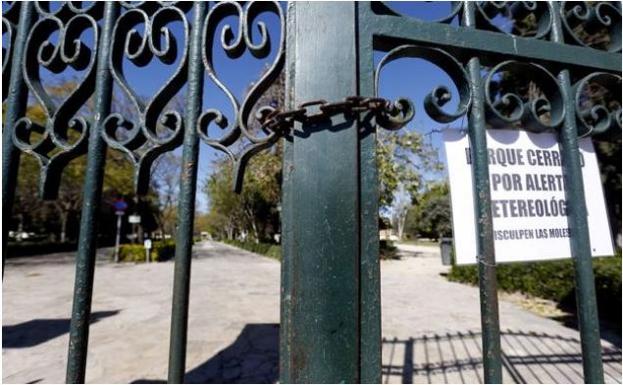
440, 95
582, 20
157, 129
598, 105
234, 44
538, 110
65, 38
536, 15
63, 136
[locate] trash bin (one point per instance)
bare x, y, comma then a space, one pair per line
446, 251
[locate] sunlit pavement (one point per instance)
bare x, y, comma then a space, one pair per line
430, 325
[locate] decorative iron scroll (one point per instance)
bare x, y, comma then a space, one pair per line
64, 134
440, 95
142, 34
237, 129
528, 18
157, 129
537, 108
581, 20
598, 104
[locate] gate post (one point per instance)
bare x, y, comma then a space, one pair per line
320, 297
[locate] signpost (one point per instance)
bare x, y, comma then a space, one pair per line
120, 207
528, 201
147, 245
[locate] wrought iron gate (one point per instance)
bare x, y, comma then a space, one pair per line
330, 297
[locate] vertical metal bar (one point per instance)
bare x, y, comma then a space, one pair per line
16, 108
324, 325
487, 280
586, 298
286, 209
96, 161
370, 282
186, 207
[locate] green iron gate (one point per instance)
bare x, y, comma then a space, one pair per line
330, 296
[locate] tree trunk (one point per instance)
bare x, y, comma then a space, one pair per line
256, 235
64, 217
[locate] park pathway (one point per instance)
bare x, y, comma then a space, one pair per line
430, 325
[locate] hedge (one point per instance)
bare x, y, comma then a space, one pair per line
161, 251
28, 248
269, 250
555, 280
387, 250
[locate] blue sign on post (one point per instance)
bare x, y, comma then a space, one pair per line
120, 205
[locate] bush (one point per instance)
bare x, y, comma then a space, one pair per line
387, 250
270, 250
555, 280
161, 251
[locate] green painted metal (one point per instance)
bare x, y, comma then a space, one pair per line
287, 205
16, 107
588, 318
330, 295
186, 205
85, 258
487, 281
369, 271
490, 46
323, 335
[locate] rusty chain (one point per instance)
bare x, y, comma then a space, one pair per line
280, 121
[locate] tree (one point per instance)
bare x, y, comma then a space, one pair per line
431, 217
402, 159
165, 181
35, 214
253, 212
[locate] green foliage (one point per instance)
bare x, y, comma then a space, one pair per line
402, 157
555, 280
161, 251
255, 210
269, 250
431, 216
387, 250
59, 219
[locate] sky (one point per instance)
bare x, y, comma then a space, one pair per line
412, 78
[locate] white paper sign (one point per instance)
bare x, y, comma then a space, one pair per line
134, 219
528, 199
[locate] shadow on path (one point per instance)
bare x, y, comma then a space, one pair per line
38, 331
253, 358
527, 357
431, 358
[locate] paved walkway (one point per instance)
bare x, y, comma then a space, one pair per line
430, 325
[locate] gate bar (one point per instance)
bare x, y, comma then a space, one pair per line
370, 336
16, 108
186, 207
92, 194
287, 203
586, 299
487, 280
323, 225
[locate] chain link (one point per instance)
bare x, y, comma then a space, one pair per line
282, 121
